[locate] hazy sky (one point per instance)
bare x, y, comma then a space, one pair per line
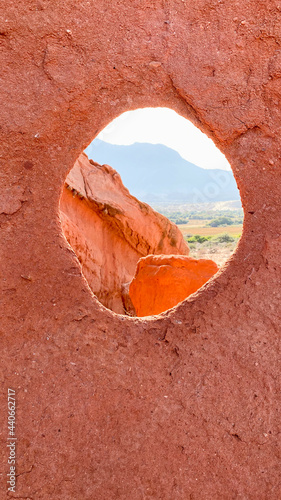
164, 126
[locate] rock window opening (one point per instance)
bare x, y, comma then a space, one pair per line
145, 247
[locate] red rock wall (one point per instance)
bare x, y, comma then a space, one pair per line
110, 230
186, 405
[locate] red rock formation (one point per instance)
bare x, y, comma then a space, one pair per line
110, 230
105, 408
162, 281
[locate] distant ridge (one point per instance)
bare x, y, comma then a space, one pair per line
155, 173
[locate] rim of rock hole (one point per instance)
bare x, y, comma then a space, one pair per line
150, 260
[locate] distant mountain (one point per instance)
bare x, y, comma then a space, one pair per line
155, 173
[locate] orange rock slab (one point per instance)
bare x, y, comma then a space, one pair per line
162, 281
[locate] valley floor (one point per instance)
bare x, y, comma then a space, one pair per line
211, 230
215, 243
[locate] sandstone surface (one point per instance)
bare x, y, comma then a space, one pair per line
182, 406
110, 230
162, 281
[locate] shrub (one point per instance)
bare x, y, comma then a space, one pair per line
221, 221
198, 239
224, 238
181, 221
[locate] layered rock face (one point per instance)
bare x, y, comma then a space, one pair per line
162, 281
110, 230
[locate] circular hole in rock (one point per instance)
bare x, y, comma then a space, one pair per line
145, 247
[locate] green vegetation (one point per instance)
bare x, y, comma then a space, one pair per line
226, 221
197, 238
180, 221
212, 239
224, 238
214, 218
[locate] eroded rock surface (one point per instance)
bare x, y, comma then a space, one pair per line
162, 281
107, 409
109, 230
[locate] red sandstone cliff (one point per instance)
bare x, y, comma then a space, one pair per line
110, 230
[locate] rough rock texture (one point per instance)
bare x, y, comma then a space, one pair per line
163, 281
187, 404
110, 230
